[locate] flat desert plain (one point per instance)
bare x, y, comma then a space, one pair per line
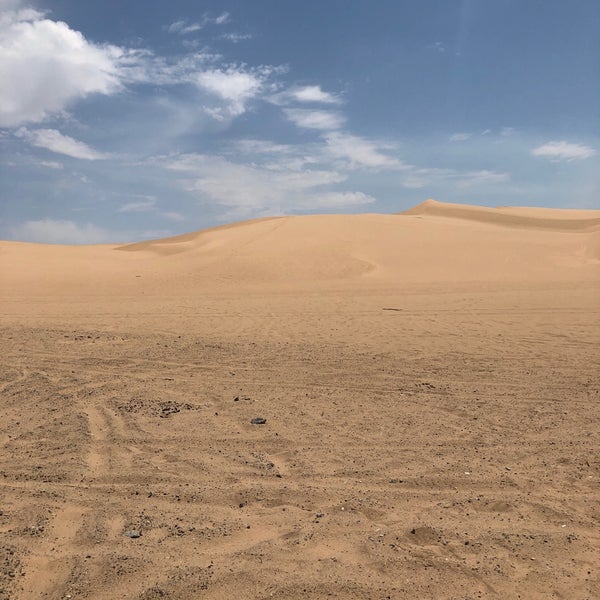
429, 381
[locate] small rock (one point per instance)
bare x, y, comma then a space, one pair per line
133, 534
258, 421
320, 515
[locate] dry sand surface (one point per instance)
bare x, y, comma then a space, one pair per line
429, 380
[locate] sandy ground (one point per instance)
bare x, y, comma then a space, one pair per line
430, 384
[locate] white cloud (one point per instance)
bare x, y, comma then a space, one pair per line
149, 206
459, 137
304, 94
53, 140
313, 93
172, 216
182, 27
427, 176
562, 150
360, 152
413, 183
334, 200
49, 65
314, 119
472, 178
51, 164
251, 188
236, 37
142, 206
252, 146
222, 19
235, 85
51, 231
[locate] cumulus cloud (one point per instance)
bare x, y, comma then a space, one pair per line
314, 119
53, 140
360, 152
49, 65
561, 150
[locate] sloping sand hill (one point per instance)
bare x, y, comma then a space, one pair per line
430, 385
432, 242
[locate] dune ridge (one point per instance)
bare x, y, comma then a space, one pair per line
431, 242
558, 219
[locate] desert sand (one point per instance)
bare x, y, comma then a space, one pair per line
429, 380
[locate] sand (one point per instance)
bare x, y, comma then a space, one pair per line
429, 380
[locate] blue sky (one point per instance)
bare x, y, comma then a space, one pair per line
129, 120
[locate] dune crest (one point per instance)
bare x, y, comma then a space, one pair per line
433, 242
558, 219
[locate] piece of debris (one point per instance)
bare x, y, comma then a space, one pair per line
133, 534
258, 421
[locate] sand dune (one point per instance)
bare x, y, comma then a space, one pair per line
430, 384
513, 216
432, 242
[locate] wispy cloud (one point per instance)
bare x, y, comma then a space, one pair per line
473, 178
360, 152
313, 93
149, 205
236, 38
141, 206
53, 140
460, 137
65, 231
51, 164
304, 94
314, 119
184, 26
561, 150
421, 177
57, 231
252, 188
222, 19
235, 85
